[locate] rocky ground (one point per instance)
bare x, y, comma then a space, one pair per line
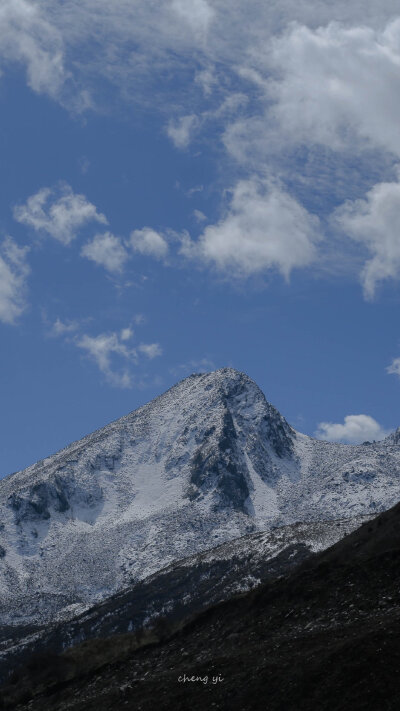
325, 637
179, 591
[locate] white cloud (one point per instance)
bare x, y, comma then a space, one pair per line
106, 250
84, 164
309, 82
61, 328
27, 37
149, 242
355, 430
198, 14
375, 223
14, 271
110, 351
58, 212
104, 350
126, 334
233, 28
335, 84
141, 39
151, 350
199, 216
394, 367
264, 228
321, 89
181, 130
192, 191
206, 78
112, 355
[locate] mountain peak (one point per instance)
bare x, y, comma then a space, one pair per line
205, 462
222, 377
239, 395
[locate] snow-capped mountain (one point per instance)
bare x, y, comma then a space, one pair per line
205, 463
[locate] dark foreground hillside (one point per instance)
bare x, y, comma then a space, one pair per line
326, 637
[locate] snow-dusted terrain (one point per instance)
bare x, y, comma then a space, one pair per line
178, 591
207, 462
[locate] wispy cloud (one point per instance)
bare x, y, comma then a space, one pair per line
14, 271
105, 350
114, 354
199, 216
28, 37
151, 350
62, 328
126, 334
181, 130
198, 14
144, 38
394, 367
139, 319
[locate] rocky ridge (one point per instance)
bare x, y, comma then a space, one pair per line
207, 462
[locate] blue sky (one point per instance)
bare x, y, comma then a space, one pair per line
191, 184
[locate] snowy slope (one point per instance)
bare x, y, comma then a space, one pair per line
180, 590
207, 462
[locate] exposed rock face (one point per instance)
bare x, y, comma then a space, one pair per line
207, 462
